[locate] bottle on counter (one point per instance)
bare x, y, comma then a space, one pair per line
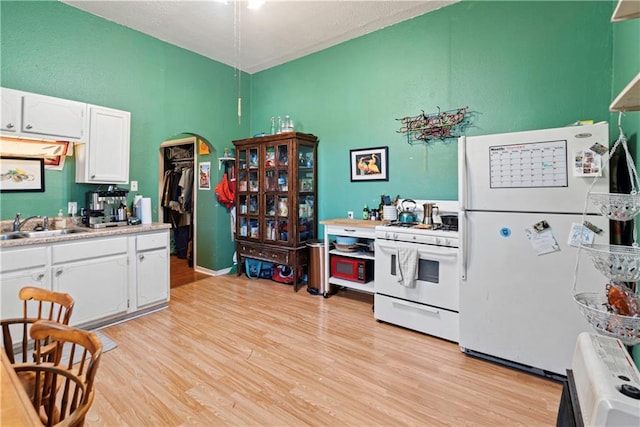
61, 222
365, 212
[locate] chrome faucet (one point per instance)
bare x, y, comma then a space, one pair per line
17, 225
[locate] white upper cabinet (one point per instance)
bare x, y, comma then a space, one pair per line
60, 118
105, 158
10, 101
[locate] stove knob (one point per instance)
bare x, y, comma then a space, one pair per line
438, 240
395, 236
414, 237
630, 390
447, 242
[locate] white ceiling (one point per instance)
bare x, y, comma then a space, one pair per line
254, 40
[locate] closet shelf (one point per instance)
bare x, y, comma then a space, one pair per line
629, 98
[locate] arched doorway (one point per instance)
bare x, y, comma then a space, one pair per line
177, 202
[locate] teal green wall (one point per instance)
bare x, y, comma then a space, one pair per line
517, 65
53, 49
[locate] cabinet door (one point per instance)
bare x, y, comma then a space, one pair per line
98, 286
10, 110
276, 204
152, 277
107, 152
11, 305
45, 115
306, 196
248, 189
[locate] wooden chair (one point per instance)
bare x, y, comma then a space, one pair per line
38, 304
63, 390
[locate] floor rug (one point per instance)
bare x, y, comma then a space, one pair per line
107, 344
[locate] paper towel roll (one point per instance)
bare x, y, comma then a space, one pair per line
145, 207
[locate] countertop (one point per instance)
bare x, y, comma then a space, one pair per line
89, 233
346, 222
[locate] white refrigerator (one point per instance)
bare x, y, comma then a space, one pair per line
520, 195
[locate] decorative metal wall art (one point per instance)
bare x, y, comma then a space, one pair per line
441, 125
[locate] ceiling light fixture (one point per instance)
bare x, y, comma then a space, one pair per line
255, 4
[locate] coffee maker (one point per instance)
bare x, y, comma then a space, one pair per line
105, 208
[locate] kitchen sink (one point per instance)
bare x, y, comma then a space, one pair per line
42, 233
11, 236
51, 233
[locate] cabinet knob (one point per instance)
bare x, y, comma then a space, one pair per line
141, 257
40, 276
28, 126
58, 273
9, 126
93, 176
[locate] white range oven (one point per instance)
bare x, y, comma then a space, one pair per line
428, 304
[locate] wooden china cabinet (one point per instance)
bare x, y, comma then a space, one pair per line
276, 195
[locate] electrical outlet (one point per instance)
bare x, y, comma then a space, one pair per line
72, 208
134, 185
350, 214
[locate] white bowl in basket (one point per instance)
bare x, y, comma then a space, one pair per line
617, 206
615, 262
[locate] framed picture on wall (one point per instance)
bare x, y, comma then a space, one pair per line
369, 164
21, 174
204, 173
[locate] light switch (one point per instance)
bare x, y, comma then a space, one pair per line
134, 185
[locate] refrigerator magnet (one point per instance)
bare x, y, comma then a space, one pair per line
541, 226
587, 163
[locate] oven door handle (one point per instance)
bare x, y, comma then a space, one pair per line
441, 252
416, 306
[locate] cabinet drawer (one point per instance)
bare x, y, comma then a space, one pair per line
429, 320
90, 249
265, 254
19, 259
352, 231
146, 242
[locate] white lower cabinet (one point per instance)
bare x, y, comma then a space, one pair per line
152, 269
94, 273
110, 278
21, 267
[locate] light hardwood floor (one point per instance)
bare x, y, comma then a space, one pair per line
182, 274
231, 351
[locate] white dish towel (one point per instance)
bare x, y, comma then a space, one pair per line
407, 266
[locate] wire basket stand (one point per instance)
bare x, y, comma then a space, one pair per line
615, 262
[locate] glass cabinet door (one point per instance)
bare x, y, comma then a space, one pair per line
276, 186
248, 186
306, 194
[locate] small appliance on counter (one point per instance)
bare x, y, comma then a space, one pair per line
106, 208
